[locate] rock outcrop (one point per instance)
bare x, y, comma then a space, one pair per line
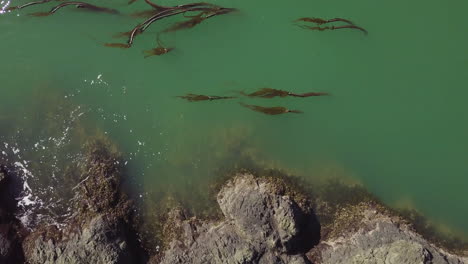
264, 221
261, 225
100, 230
377, 237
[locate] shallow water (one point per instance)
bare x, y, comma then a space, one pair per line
396, 120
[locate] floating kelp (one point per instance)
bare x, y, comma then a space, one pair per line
78, 5
117, 45
197, 19
198, 97
163, 8
321, 21
186, 24
145, 14
309, 94
270, 93
159, 50
141, 27
157, 8
276, 110
211, 11
206, 12
334, 28
27, 4
267, 93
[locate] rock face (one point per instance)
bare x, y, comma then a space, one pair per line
260, 226
378, 238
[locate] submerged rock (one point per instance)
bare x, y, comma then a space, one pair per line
261, 226
377, 237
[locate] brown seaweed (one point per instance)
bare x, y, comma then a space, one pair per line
140, 28
334, 28
27, 4
198, 97
164, 8
321, 21
40, 14
270, 93
159, 50
145, 14
78, 5
186, 24
122, 34
275, 110
208, 11
117, 45
197, 19
267, 93
309, 94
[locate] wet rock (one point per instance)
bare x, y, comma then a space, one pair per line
101, 228
99, 242
378, 237
260, 226
266, 219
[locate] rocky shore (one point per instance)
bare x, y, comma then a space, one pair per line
264, 220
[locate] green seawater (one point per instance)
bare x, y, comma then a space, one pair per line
396, 120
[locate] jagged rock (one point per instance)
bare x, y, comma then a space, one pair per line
380, 238
98, 242
260, 226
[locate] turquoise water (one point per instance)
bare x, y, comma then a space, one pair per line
396, 119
